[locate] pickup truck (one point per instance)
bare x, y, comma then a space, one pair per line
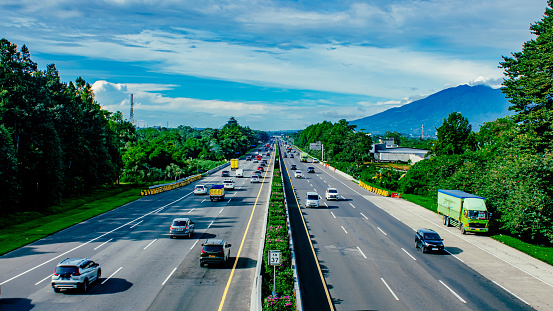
217, 192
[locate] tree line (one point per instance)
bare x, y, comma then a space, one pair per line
56, 141
508, 160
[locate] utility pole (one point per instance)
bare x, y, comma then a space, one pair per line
132, 111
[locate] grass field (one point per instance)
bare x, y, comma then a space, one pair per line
23, 228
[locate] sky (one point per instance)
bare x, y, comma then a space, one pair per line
271, 64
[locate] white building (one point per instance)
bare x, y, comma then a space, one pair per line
388, 151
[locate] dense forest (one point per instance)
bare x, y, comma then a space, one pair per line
56, 141
508, 161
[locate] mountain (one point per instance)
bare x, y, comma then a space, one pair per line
477, 103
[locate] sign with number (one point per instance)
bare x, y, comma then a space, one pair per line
275, 258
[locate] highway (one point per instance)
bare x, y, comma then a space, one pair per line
142, 267
368, 257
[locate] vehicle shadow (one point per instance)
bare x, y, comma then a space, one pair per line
16, 304
453, 250
112, 286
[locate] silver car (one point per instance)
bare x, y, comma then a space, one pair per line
181, 227
75, 273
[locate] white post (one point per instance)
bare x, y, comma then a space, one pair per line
323, 151
274, 282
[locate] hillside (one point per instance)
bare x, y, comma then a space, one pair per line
477, 103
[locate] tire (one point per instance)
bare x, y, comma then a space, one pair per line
463, 229
84, 287
444, 220
98, 275
447, 222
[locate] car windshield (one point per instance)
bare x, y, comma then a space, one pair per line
66, 269
332, 191
213, 248
432, 236
312, 197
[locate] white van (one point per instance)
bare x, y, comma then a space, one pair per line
239, 172
311, 199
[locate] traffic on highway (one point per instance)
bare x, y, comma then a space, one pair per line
173, 250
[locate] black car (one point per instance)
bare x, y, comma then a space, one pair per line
285, 155
215, 251
311, 169
293, 167
225, 174
428, 240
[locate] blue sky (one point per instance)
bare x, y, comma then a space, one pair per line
273, 65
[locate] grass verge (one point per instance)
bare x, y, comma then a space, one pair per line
32, 226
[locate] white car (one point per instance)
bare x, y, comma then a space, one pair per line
229, 184
75, 273
298, 174
331, 194
200, 189
315, 160
254, 178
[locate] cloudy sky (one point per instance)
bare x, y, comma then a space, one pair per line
272, 64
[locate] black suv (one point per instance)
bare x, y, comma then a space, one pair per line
293, 167
428, 239
215, 251
225, 174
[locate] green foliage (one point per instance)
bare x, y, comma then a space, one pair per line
529, 83
454, 136
341, 141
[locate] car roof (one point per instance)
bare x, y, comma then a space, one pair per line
427, 231
200, 186
73, 261
181, 219
312, 193
214, 242
330, 188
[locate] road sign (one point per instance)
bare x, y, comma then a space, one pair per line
275, 258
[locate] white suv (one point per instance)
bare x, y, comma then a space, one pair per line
331, 194
228, 184
75, 273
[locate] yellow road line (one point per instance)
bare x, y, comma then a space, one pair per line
310, 243
242, 243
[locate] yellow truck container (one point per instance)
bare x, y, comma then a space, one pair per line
234, 164
217, 193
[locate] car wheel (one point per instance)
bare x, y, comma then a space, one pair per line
416, 244
98, 275
463, 229
85, 286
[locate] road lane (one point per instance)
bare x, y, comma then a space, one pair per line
133, 244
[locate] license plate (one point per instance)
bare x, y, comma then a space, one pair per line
211, 255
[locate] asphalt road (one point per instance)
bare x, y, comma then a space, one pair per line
142, 268
369, 261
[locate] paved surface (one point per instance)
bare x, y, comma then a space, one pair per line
529, 279
142, 268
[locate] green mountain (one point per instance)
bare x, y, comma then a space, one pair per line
477, 103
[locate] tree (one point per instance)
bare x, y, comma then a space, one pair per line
454, 136
529, 83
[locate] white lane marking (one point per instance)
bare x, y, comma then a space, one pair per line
325, 204
211, 223
461, 260
344, 229
194, 244
381, 230
96, 238
343, 197
169, 276
109, 277
150, 244
352, 205
234, 193
136, 224
408, 253
191, 210
203, 200
228, 201
102, 244
333, 214
364, 216
454, 293
389, 289
221, 210
510, 292
50, 277
361, 252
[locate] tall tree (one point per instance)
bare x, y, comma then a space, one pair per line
454, 136
529, 83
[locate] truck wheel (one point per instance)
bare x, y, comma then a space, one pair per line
444, 220
447, 222
463, 229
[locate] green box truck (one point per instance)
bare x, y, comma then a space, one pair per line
303, 157
463, 210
